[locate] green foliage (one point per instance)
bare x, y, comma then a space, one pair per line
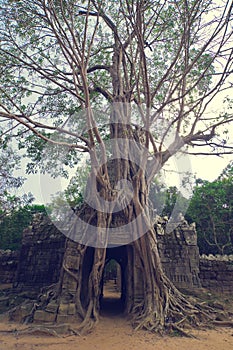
167, 201
48, 158
110, 271
15, 210
174, 198
157, 196
38, 61
211, 208
13, 224
227, 172
58, 57
9, 184
73, 195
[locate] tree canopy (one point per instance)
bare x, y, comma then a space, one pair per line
168, 59
13, 224
129, 84
211, 207
9, 183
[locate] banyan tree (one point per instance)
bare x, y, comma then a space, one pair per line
127, 85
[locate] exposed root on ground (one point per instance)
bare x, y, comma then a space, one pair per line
51, 330
223, 323
178, 314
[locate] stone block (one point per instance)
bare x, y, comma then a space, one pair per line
226, 277
72, 309
43, 316
52, 307
63, 318
229, 267
63, 309
72, 262
4, 301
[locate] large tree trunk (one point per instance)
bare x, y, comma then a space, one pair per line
158, 305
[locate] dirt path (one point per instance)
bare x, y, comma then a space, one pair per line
114, 332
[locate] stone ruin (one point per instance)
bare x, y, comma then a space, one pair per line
216, 273
41, 255
39, 261
9, 261
43, 247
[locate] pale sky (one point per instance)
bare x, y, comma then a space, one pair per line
204, 167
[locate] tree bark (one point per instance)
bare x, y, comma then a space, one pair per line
157, 305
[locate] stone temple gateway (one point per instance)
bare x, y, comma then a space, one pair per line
39, 264
43, 247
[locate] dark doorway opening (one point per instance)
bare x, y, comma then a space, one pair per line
113, 287
111, 301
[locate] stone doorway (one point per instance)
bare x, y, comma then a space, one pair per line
114, 282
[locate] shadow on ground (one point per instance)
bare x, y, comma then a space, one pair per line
111, 303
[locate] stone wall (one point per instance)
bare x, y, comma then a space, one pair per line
216, 273
41, 254
43, 248
180, 255
8, 266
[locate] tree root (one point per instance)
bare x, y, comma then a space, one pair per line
223, 323
178, 314
179, 331
90, 320
51, 330
86, 326
38, 330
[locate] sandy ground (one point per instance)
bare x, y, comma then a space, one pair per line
114, 332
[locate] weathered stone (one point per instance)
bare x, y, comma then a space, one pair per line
216, 273
43, 316
72, 309
180, 256
43, 246
52, 307
19, 313
41, 255
63, 318
8, 265
63, 309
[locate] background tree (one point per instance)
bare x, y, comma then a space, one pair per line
159, 64
165, 199
13, 224
174, 197
9, 183
211, 207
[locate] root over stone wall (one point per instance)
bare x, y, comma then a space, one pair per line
39, 261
